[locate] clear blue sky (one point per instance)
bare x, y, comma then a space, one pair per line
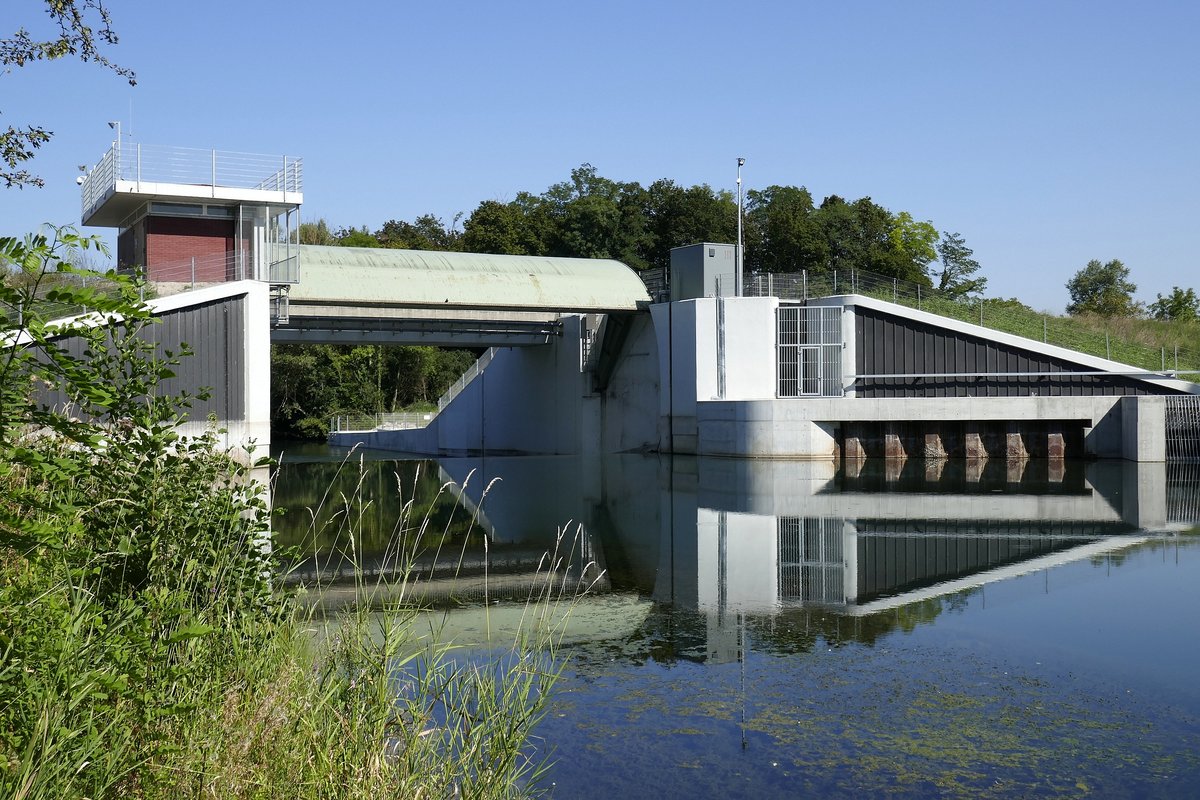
1047, 133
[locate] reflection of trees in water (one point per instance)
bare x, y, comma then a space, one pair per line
671, 634
1156, 544
800, 630
318, 506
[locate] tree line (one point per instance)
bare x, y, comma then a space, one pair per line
591, 216
1105, 290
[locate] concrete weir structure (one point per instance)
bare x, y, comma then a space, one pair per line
843, 376
580, 358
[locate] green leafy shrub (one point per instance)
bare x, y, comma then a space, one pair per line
144, 651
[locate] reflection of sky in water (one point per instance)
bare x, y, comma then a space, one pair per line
1002, 632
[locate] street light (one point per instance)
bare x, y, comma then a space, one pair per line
737, 261
116, 126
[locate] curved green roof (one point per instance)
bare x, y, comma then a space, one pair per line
426, 277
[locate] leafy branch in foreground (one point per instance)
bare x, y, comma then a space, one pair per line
84, 30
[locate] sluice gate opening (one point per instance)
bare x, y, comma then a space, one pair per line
962, 439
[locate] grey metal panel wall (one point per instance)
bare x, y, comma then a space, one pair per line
214, 331
889, 345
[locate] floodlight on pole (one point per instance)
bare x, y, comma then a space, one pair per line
737, 261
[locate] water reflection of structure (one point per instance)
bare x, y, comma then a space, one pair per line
857, 551
400, 531
770, 540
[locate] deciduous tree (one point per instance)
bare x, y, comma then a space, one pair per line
783, 233
494, 227
1103, 289
1180, 304
958, 267
426, 232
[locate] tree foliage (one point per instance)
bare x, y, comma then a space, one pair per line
1103, 289
310, 383
959, 268
591, 216
316, 233
84, 30
426, 232
1180, 304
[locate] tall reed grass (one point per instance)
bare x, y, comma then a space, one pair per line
146, 648
162, 663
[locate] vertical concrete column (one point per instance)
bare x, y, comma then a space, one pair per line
1015, 469
973, 447
1143, 422
853, 447
1014, 442
974, 469
854, 467
849, 351
1056, 442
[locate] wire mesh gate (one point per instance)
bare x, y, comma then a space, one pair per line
809, 351
1183, 428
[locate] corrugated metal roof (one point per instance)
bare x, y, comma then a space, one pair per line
420, 277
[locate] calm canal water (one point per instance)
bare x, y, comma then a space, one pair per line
783, 629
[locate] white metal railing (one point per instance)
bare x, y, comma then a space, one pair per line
382, 421
359, 422
191, 166
468, 376
187, 273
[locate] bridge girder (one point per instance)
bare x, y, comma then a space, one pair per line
434, 332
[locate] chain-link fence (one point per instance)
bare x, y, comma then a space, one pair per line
1115, 339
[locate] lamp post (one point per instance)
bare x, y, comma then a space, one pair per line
737, 261
116, 126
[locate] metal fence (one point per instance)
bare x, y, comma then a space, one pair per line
1183, 492
472, 372
1094, 337
362, 422
357, 422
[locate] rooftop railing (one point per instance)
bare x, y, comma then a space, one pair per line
139, 163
